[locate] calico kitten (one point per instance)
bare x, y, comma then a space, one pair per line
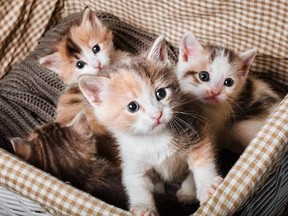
86, 48
69, 153
157, 127
230, 97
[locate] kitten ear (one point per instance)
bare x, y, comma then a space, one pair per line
189, 47
158, 51
80, 124
90, 19
247, 59
93, 87
52, 61
21, 148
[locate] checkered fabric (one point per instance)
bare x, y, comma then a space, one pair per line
55, 196
239, 25
22, 24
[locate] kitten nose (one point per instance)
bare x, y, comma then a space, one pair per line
100, 66
97, 65
214, 93
158, 117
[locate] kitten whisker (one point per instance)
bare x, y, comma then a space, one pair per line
178, 128
195, 115
187, 125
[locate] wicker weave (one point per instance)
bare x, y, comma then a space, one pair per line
257, 184
13, 204
272, 198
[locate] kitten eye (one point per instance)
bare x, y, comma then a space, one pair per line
96, 48
133, 106
204, 76
161, 93
228, 82
80, 64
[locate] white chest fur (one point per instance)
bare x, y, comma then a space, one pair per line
145, 152
149, 149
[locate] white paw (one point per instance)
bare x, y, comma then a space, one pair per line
207, 192
216, 182
143, 211
185, 197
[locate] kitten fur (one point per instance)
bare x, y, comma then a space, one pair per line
163, 132
88, 43
70, 104
242, 106
69, 153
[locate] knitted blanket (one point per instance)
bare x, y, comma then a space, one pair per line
29, 92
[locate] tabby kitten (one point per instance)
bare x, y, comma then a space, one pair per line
69, 153
86, 48
157, 127
230, 97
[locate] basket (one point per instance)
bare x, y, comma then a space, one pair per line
258, 182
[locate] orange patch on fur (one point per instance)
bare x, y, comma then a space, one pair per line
84, 36
124, 88
69, 105
67, 68
201, 154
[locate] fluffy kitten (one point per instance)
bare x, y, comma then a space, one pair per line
69, 154
157, 128
86, 48
218, 77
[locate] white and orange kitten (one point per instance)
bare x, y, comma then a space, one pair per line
86, 48
157, 127
232, 99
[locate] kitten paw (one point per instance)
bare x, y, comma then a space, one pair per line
185, 197
216, 182
210, 190
143, 211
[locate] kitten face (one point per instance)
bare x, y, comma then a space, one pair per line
85, 49
136, 96
212, 74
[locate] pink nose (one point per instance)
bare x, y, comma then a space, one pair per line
213, 93
100, 66
158, 117
97, 65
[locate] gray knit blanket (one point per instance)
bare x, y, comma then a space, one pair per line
29, 92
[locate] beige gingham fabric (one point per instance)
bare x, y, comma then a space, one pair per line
240, 25
55, 196
22, 24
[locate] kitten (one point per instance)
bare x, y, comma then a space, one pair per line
86, 48
157, 128
219, 78
69, 153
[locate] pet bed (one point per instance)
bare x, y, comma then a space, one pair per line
258, 182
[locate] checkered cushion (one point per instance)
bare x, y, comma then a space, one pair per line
235, 24
22, 23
